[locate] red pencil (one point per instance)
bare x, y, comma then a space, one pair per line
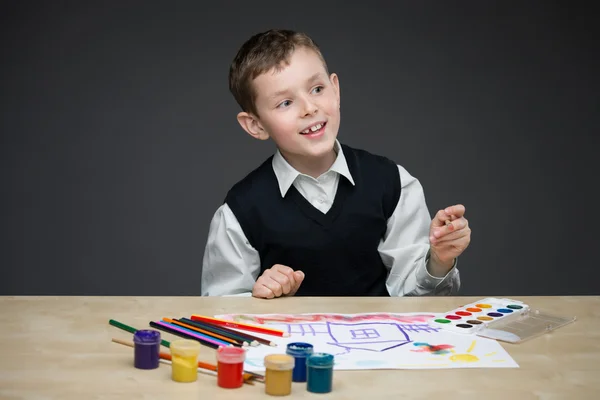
240, 325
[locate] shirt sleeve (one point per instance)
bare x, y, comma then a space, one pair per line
405, 247
230, 265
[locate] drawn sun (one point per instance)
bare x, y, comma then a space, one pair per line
444, 349
468, 356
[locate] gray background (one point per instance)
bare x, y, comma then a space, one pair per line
119, 138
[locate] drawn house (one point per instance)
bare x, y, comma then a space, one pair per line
372, 336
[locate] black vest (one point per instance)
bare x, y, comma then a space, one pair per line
336, 251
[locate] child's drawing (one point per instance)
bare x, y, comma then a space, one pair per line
376, 341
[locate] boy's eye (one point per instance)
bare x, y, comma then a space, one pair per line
318, 89
284, 104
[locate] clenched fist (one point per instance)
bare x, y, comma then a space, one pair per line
277, 281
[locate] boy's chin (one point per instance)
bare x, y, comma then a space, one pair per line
322, 149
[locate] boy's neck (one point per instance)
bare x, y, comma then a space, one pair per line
312, 166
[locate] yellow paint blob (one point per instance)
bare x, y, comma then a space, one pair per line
464, 358
184, 369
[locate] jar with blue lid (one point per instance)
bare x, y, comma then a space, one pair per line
300, 351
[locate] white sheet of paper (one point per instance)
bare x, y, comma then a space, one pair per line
375, 341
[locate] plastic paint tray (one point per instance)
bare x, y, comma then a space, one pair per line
523, 326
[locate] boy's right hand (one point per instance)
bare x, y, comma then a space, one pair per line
277, 281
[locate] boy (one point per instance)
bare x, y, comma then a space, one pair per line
319, 218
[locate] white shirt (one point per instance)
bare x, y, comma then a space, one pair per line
231, 265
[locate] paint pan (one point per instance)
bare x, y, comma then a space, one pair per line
474, 317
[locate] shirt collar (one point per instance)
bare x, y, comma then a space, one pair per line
286, 174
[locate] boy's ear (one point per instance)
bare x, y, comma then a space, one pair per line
335, 81
250, 124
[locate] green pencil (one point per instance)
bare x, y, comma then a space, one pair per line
133, 330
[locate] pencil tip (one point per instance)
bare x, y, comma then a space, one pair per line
273, 344
285, 334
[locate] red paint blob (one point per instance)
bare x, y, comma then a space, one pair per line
230, 376
463, 313
452, 317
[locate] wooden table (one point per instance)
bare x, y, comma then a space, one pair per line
60, 348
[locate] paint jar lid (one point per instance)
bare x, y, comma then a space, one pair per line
299, 349
279, 362
320, 360
231, 354
146, 336
185, 347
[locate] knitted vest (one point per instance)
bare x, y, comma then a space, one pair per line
337, 251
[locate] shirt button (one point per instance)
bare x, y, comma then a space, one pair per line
321, 200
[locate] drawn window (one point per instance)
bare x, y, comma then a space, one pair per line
364, 333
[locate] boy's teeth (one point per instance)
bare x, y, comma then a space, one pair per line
313, 128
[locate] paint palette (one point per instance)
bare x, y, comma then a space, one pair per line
474, 317
500, 319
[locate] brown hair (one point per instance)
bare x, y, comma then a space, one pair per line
259, 54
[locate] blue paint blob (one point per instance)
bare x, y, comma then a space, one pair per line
504, 310
369, 363
300, 351
319, 373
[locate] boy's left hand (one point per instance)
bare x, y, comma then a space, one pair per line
449, 239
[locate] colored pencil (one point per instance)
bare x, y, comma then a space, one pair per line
132, 330
222, 331
205, 332
187, 335
202, 335
211, 367
255, 340
240, 325
194, 334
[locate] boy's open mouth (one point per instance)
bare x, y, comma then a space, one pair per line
314, 129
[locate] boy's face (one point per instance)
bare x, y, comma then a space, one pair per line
298, 107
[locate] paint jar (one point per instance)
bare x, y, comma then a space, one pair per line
146, 343
319, 373
230, 367
184, 360
278, 375
299, 351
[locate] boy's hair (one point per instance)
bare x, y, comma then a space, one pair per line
261, 53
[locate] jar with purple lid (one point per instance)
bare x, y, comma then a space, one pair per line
146, 348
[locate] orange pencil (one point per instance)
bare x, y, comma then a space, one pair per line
240, 325
212, 334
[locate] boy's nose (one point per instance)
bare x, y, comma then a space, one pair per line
309, 107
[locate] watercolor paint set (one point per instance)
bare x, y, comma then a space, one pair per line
501, 319
473, 317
